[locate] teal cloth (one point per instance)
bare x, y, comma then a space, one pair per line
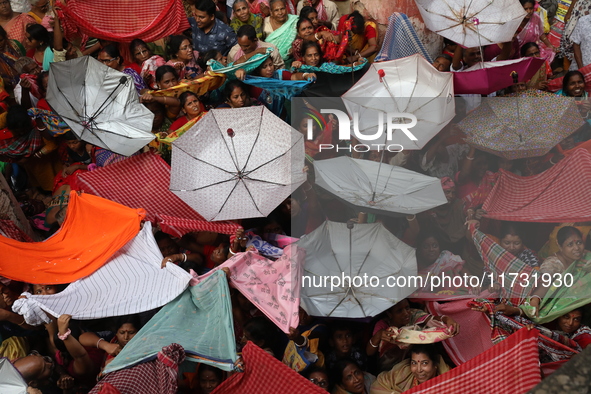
200, 320
332, 68
283, 37
249, 66
47, 58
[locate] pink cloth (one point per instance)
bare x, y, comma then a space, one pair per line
531, 33
272, 286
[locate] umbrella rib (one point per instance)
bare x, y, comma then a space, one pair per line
204, 187
358, 302
227, 198
260, 180
255, 141
340, 302
234, 159
275, 158
251, 197
204, 162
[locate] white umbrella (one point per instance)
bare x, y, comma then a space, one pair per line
368, 251
237, 163
100, 105
408, 85
376, 186
11, 381
473, 23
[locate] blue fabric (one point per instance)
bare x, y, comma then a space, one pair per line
221, 37
332, 68
401, 40
276, 91
200, 320
248, 66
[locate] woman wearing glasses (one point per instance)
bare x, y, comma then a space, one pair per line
147, 63
111, 57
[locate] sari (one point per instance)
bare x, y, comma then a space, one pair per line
274, 91
283, 37
254, 20
174, 134
531, 32
255, 6
148, 71
15, 148
401, 379
8, 57
191, 69
359, 42
331, 51
16, 27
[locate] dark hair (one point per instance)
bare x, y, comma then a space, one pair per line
426, 234
260, 329
230, 86
240, 1
358, 21
447, 41
207, 56
161, 235
40, 77
257, 71
445, 56
134, 320
306, 11
429, 350
336, 372
174, 45
314, 369
524, 2
112, 51
568, 76
135, 44
184, 96
275, 1
248, 31
18, 120
301, 20
3, 33
510, 228
208, 368
526, 46
206, 6
566, 232
162, 70
340, 326
39, 33
310, 44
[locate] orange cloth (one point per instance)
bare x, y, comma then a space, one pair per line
93, 231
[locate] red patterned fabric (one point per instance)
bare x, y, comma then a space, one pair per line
265, 374
122, 21
554, 85
559, 194
142, 181
509, 367
11, 230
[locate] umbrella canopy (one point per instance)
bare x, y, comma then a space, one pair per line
521, 125
409, 85
100, 105
488, 77
377, 186
238, 163
473, 23
11, 381
337, 251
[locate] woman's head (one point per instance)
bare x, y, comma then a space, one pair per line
428, 248
399, 314
36, 37
209, 378
235, 94
44, 289
311, 53
126, 328
423, 362
109, 55
310, 13
510, 238
305, 28
358, 22
190, 104
570, 241
41, 6
180, 48
571, 321
278, 10
5, 8
449, 188
166, 77
140, 51
241, 10
18, 121
42, 82
266, 69
318, 376
528, 6
530, 49
442, 62
347, 374
573, 84
260, 331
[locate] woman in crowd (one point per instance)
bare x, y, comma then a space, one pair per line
183, 58
236, 95
432, 259
9, 54
424, 364
243, 16
42, 48
318, 376
280, 27
17, 25
349, 378
540, 79
147, 63
192, 108
364, 37
511, 239
531, 29
573, 85
111, 57
166, 77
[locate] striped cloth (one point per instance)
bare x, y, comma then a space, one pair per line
200, 320
265, 374
131, 282
401, 40
507, 368
559, 194
122, 21
10, 230
142, 181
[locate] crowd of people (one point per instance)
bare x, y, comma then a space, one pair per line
310, 42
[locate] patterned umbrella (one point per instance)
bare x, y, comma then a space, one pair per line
237, 163
521, 125
473, 23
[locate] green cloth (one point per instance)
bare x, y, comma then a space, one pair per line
255, 21
249, 66
283, 37
200, 320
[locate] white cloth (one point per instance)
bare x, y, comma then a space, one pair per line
582, 36
131, 282
11, 381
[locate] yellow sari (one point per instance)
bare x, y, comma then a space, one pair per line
400, 378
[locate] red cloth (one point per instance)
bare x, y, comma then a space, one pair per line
177, 124
11, 230
554, 85
559, 194
509, 367
122, 21
265, 374
143, 181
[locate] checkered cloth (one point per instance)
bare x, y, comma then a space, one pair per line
154, 377
401, 40
265, 374
510, 367
142, 181
559, 194
9, 229
122, 21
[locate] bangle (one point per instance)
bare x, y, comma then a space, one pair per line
232, 252
99, 341
536, 296
65, 336
184, 257
372, 345
24, 321
41, 129
316, 36
469, 158
551, 162
413, 218
303, 344
441, 318
304, 75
